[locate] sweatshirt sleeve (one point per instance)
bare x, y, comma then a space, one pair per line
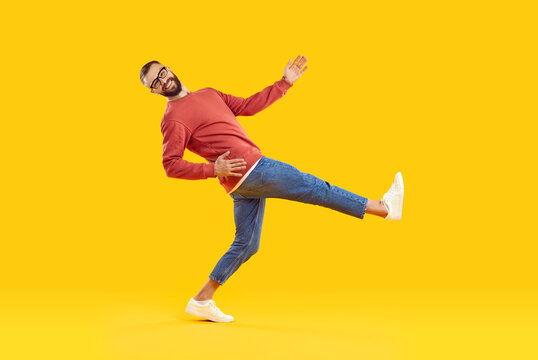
258, 101
175, 139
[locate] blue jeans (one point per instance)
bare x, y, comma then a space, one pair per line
276, 179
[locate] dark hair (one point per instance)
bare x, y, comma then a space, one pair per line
145, 69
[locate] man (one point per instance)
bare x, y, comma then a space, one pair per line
204, 121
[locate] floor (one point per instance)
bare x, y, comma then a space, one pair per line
302, 325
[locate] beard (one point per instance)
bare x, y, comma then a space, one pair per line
174, 89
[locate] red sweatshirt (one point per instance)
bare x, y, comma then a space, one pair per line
204, 121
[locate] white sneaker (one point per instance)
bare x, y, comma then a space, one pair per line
209, 311
393, 199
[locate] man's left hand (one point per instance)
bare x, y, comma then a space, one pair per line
293, 71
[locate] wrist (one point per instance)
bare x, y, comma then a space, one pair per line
214, 171
288, 81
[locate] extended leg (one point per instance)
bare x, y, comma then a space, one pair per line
276, 179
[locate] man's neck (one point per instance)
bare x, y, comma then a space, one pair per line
182, 93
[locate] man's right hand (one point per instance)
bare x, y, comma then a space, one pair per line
227, 167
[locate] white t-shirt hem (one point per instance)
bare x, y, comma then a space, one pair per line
244, 176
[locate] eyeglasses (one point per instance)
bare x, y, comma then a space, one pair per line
162, 74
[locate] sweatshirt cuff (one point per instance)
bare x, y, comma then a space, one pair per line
209, 170
283, 84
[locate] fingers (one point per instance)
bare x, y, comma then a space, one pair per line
299, 62
295, 61
229, 166
236, 161
236, 165
302, 62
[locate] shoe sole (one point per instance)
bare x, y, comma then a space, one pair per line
196, 313
399, 180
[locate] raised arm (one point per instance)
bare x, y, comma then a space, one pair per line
257, 102
264, 98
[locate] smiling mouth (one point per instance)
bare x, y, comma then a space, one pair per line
168, 84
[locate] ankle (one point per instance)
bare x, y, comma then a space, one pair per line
202, 297
377, 207
385, 209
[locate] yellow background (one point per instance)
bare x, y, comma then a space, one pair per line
101, 251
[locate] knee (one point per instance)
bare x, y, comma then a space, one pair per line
251, 250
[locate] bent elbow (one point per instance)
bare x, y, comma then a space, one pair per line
167, 168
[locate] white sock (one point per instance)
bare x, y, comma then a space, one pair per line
202, 302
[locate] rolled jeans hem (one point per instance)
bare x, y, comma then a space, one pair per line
214, 279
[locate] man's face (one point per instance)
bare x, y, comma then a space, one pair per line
163, 80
